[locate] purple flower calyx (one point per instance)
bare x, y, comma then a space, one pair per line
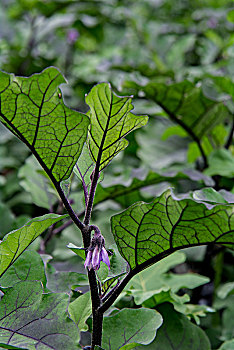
97, 253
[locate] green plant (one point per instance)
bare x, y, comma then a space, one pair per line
63, 140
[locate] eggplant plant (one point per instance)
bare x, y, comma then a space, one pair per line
65, 141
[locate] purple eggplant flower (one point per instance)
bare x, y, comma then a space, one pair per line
72, 36
97, 253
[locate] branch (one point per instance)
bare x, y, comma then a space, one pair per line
116, 292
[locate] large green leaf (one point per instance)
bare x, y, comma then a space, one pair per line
129, 192
177, 333
33, 320
111, 120
154, 280
15, 242
130, 326
145, 233
32, 108
187, 105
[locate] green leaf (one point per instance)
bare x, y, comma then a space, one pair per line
35, 181
31, 319
111, 120
80, 310
64, 281
15, 242
221, 162
10, 347
129, 192
186, 105
85, 167
209, 195
227, 319
80, 251
146, 233
28, 267
227, 345
33, 110
225, 290
155, 279
109, 282
7, 219
230, 16
130, 326
174, 130
177, 333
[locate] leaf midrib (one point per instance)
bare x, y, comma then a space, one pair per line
103, 137
40, 109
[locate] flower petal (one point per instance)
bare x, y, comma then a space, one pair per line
88, 260
96, 258
104, 257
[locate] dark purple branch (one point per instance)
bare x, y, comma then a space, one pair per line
115, 292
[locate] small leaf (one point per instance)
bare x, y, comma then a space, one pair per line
80, 251
108, 283
130, 326
32, 110
177, 333
80, 310
15, 242
31, 319
111, 120
146, 233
